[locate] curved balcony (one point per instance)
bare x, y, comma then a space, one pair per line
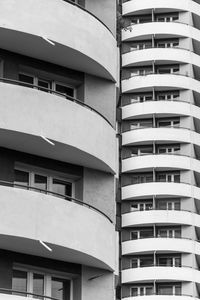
135, 275
161, 134
37, 31
162, 297
149, 189
63, 225
137, 6
175, 217
160, 162
172, 55
73, 130
160, 108
161, 30
166, 81
182, 245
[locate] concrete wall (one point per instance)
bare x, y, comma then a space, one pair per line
104, 11
101, 95
99, 190
99, 288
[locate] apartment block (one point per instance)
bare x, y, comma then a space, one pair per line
58, 149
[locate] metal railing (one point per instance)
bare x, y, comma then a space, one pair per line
157, 47
47, 90
22, 293
161, 181
150, 265
150, 154
129, 27
128, 239
156, 127
156, 73
157, 100
44, 191
160, 209
160, 294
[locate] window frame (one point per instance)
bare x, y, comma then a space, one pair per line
51, 82
49, 176
48, 275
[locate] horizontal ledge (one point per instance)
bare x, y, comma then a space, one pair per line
44, 219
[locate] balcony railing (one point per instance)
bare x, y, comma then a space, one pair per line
160, 209
157, 100
129, 27
151, 180
50, 91
156, 47
156, 73
160, 294
25, 294
160, 265
159, 237
150, 154
58, 195
156, 127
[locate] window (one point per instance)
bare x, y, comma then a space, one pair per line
63, 89
169, 261
169, 204
141, 19
141, 206
141, 234
167, 69
141, 290
141, 262
167, 18
141, 98
168, 177
141, 124
142, 151
46, 85
168, 149
167, 95
143, 178
169, 232
26, 78
42, 182
19, 281
169, 289
140, 45
40, 283
167, 44
168, 123
21, 178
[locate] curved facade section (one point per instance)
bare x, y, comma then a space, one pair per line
144, 83
140, 110
183, 245
160, 28
65, 123
160, 273
160, 134
141, 218
44, 219
160, 188
137, 6
38, 24
161, 162
145, 56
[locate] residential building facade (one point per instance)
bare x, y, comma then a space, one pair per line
160, 175
58, 149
